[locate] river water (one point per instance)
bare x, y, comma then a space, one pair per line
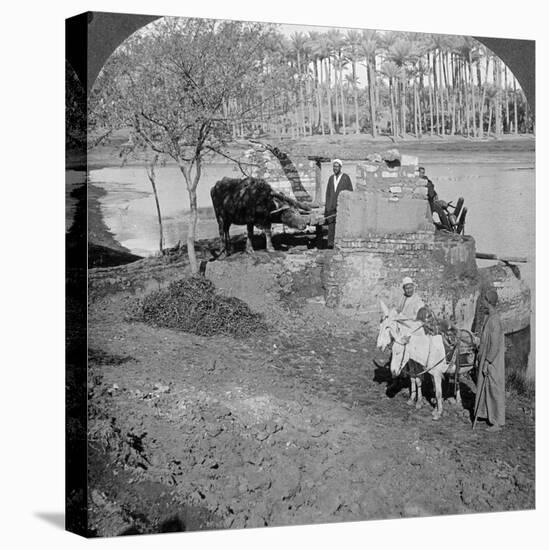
499, 195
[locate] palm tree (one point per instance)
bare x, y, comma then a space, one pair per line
487, 55
336, 42
353, 42
491, 93
368, 50
505, 89
515, 110
467, 49
497, 69
314, 46
325, 55
393, 72
297, 47
401, 52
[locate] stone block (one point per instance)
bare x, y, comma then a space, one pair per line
409, 160
362, 214
407, 171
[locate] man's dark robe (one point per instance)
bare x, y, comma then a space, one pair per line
491, 404
331, 202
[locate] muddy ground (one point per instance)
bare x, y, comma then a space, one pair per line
295, 426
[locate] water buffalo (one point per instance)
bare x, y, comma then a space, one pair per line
252, 201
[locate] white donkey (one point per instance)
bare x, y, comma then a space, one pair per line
411, 342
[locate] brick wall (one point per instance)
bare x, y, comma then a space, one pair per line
384, 232
355, 280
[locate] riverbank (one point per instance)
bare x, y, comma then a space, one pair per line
351, 146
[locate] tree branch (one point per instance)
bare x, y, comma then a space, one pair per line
236, 161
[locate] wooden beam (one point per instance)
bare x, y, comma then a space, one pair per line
506, 259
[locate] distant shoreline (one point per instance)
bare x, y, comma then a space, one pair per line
348, 146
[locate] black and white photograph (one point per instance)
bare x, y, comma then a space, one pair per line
310, 275
299, 275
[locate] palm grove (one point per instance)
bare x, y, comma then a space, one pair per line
187, 88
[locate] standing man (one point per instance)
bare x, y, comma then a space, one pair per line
337, 182
410, 303
490, 397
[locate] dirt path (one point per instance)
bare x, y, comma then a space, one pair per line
297, 427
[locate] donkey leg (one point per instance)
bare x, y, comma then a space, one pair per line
456, 383
419, 401
413, 391
437, 413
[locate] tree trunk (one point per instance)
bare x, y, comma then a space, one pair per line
479, 106
472, 84
192, 183
372, 94
329, 99
498, 99
484, 96
393, 114
319, 93
355, 94
435, 92
430, 99
403, 103
301, 100
415, 109
515, 113
342, 99
506, 99
466, 94
152, 178
442, 90
336, 98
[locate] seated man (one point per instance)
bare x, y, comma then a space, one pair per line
408, 308
438, 206
410, 303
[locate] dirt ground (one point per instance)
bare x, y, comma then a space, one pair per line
297, 426
294, 427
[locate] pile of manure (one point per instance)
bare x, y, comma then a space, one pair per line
192, 305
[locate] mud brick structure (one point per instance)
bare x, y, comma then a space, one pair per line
385, 232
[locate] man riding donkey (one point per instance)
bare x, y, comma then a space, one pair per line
412, 315
453, 344
409, 307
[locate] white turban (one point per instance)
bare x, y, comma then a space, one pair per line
338, 161
407, 281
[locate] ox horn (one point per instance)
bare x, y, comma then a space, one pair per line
292, 202
284, 207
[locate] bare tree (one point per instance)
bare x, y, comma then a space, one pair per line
171, 84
